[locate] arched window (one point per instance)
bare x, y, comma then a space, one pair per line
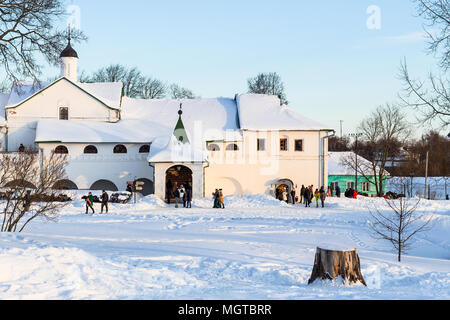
65, 185
213, 147
90, 150
145, 149
61, 150
120, 148
232, 147
104, 185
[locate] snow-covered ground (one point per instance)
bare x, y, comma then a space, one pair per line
257, 248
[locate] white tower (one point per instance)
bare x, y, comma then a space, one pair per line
69, 62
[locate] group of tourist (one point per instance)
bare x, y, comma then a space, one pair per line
351, 193
218, 199
183, 195
307, 194
104, 199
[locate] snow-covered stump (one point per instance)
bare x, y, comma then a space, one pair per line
331, 264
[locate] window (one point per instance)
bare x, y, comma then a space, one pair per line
64, 113
213, 147
351, 185
120, 149
334, 185
261, 145
61, 150
283, 144
299, 145
90, 150
144, 149
232, 147
366, 186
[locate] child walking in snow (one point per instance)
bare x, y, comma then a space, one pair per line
317, 197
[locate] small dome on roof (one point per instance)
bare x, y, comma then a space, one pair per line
69, 52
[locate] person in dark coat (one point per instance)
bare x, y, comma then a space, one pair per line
129, 188
176, 195
293, 195
216, 197
105, 200
27, 201
338, 191
302, 195
307, 197
189, 196
169, 188
323, 196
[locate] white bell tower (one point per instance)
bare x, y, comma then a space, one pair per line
69, 62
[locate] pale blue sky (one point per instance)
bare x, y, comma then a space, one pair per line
332, 65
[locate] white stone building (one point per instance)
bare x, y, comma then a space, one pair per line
246, 144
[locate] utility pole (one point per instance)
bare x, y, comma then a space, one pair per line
356, 135
341, 121
134, 189
426, 175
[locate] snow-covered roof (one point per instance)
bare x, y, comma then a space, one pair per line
204, 119
342, 164
176, 151
23, 90
125, 131
110, 93
264, 112
4, 97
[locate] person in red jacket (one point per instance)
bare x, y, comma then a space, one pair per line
355, 194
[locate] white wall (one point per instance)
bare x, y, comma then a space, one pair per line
249, 171
22, 120
85, 169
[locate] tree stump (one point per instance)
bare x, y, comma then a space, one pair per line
330, 264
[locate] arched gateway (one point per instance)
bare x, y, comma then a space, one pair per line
284, 184
176, 176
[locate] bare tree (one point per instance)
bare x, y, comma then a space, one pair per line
177, 92
20, 201
400, 224
151, 88
437, 16
135, 84
132, 82
268, 83
130, 77
383, 133
28, 32
5, 86
339, 144
431, 100
111, 73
